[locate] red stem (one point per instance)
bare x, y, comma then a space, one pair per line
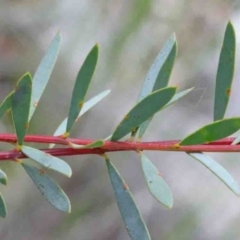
223, 145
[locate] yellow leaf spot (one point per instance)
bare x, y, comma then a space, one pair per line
41, 171
228, 92
176, 146
35, 104
19, 148
65, 135
125, 186
81, 104
126, 117
27, 126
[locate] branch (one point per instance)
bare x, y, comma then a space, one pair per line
223, 145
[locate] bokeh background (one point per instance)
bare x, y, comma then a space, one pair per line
130, 34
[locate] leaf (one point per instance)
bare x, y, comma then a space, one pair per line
81, 86
212, 132
218, 170
175, 98
48, 160
48, 188
87, 105
3, 207
158, 75
225, 73
160, 71
156, 184
3, 177
145, 109
20, 106
43, 73
95, 144
6, 105
131, 216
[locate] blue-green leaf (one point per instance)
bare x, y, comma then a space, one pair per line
212, 132
48, 160
81, 86
3, 177
6, 105
43, 73
158, 75
225, 73
175, 98
48, 188
3, 207
218, 170
145, 109
95, 144
132, 218
20, 106
160, 71
156, 184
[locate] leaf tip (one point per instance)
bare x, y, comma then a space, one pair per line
59, 35
170, 205
95, 48
69, 174
229, 24
69, 207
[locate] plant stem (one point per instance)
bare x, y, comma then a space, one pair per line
223, 145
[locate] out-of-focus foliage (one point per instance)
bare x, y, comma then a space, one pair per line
130, 34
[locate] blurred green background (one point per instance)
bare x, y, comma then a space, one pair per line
130, 34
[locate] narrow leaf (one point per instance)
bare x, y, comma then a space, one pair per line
3, 207
3, 177
132, 218
175, 98
212, 132
96, 144
81, 86
43, 73
218, 170
48, 160
145, 109
87, 105
20, 106
225, 73
6, 105
160, 71
156, 184
48, 188
158, 76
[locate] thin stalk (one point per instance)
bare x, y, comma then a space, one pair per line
223, 145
